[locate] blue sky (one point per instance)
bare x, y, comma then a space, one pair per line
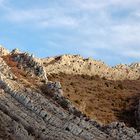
103, 29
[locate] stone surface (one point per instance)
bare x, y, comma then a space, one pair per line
3, 51
27, 108
29, 112
29, 64
121, 132
75, 64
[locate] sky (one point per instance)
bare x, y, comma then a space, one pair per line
107, 30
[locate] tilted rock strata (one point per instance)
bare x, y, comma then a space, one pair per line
29, 64
31, 115
53, 121
121, 132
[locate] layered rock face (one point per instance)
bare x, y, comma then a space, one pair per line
34, 108
75, 64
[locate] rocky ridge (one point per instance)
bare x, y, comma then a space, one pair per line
31, 111
75, 64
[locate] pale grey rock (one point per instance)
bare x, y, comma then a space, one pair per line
76, 64
32, 115
121, 132
29, 64
3, 51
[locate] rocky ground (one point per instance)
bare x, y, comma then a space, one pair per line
75, 64
67, 98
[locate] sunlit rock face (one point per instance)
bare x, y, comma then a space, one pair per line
3, 51
32, 107
75, 64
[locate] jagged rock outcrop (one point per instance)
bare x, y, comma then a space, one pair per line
43, 112
15, 51
3, 51
30, 64
10, 128
121, 132
75, 64
42, 118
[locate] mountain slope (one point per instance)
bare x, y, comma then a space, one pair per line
32, 107
103, 100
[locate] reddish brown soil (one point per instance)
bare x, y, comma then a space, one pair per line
103, 100
21, 75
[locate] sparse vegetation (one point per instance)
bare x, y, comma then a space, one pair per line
106, 100
29, 101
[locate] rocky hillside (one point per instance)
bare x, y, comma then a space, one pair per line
34, 105
75, 64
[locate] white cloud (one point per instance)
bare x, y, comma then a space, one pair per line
95, 27
103, 4
22, 15
41, 17
59, 22
126, 3
89, 4
132, 54
127, 33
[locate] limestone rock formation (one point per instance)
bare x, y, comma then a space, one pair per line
3, 51
34, 108
75, 64
121, 132
28, 63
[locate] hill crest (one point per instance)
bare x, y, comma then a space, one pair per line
32, 107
